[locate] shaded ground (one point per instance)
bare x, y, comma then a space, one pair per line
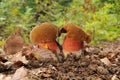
101, 62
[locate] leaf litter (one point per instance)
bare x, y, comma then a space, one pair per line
96, 63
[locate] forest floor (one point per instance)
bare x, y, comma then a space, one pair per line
100, 62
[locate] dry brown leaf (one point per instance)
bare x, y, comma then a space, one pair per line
26, 50
93, 78
14, 42
20, 74
4, 77
8, 78
43, 54
102, 70
106, 61
112, 56
114, 77
19, 57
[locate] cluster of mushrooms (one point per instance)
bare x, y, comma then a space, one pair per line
44, 35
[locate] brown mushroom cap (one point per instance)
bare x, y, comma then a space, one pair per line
75, 32
44, 32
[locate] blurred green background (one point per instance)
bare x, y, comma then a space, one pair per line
100, 18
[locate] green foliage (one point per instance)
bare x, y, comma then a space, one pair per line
14, 15
100, 18
102, 24
95, 19
1, 43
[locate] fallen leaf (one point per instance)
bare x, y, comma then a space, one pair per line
114, 77
14, 42
4, 77
43, 54
19, 57
102, 70
93, 78
111, 56
20, 74
106, 61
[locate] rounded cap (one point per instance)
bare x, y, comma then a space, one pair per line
44, 32
75, 32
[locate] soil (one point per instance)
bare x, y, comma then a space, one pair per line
88, 66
